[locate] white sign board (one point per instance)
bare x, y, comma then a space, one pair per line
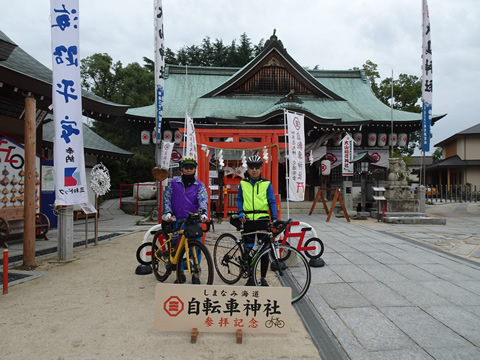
212, 308
347, 156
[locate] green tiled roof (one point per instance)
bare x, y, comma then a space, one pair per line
92, 142
204, 93
360, 105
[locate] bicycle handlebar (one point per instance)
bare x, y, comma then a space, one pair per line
276, 227
281, 228
193, 218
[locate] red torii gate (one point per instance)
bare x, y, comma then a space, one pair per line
265, 138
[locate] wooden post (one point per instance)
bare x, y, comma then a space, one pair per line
5, 271
29, 203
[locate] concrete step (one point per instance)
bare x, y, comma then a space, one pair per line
414, 220
303, 207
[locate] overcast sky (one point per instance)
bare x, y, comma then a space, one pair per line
338, 35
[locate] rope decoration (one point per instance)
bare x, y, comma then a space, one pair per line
244, 160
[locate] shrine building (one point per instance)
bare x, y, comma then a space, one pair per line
242, 109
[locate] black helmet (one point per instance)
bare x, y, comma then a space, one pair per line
254, 160
188, 161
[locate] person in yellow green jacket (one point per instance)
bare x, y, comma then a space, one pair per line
256, 208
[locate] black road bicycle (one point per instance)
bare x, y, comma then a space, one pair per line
288, 266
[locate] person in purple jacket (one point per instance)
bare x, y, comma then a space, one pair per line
186, 194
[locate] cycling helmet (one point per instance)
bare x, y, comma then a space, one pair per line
254, 160
188, 161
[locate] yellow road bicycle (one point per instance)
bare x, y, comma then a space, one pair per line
189, 258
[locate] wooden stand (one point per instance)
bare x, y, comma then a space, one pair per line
337, 196
194, 335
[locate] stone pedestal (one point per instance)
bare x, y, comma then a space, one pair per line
398, 194
402, 206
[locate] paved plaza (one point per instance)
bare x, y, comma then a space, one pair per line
388, 291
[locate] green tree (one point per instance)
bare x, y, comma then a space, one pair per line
437, 155
99, 75
372, 74
131, 85
216, 53
407, 91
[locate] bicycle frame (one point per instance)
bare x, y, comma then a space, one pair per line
182, 243
301, 235
271, 241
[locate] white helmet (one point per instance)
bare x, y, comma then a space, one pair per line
254, 160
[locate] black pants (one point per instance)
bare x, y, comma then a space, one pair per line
256, 225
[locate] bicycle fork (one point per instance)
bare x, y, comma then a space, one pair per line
278, 262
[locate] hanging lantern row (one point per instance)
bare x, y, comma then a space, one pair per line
168, 136
373, 139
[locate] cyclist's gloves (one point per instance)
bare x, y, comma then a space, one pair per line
167, 216
275, 224
204, 217
241, 216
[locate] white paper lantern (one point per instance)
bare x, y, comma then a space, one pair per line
178, 137
372, 139
392, 139
382, 139
168, 135
154, 137
145, 136
357, 137
337, 141
325, 167
402, 139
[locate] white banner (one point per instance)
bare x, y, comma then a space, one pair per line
191, 149
427, 79
159, 69
167, 148
347, 156
296, 156
70, 179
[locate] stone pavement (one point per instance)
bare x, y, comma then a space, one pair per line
388, 291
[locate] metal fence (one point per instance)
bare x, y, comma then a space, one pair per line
452, 193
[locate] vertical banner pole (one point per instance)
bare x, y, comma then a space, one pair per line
427, 78
159, 75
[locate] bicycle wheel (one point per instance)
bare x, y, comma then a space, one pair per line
319, 248
227, 256
284, 254
145, 251
161, 259
201, 267
295, 271
17, 164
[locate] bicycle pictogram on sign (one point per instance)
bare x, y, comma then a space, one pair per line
173, 306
